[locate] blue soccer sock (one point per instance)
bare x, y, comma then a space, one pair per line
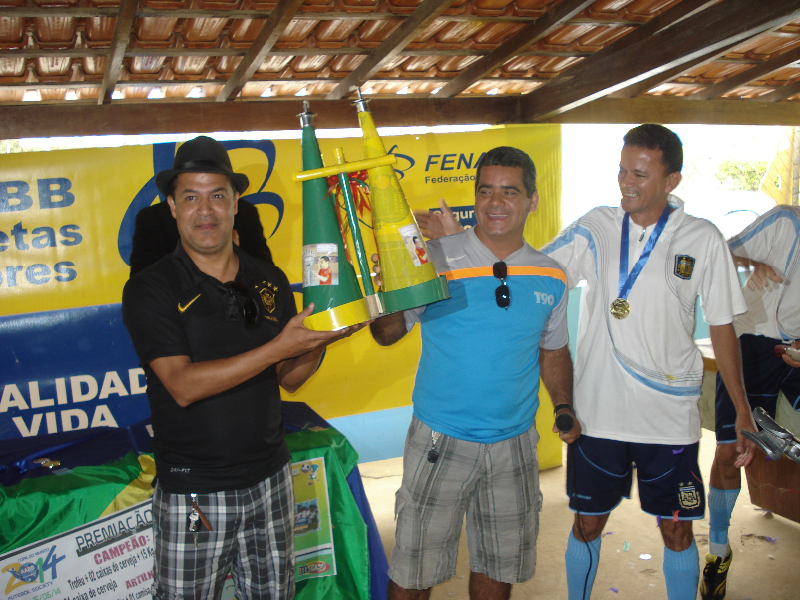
581, 559
682, 573
720, 508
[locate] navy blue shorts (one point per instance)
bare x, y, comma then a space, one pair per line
765, 375
670, 484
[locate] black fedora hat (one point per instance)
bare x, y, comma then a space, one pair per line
201, 155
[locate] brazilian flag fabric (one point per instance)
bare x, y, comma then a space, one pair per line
55, 483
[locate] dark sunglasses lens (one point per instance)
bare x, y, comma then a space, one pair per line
250, 308
502, 296
250, 313
500, 270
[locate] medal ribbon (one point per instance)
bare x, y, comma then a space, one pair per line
626, 280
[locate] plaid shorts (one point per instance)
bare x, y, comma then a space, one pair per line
496, 485
252, 537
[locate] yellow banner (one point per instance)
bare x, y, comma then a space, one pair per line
60, 214
66, 220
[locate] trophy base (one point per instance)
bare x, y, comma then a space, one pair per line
339, 317
416, 295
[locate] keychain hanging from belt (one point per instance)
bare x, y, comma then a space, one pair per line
433, 455
196, 517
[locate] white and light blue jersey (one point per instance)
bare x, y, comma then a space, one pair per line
638, 379
773, 239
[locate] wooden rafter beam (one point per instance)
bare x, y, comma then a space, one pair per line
765, 68
781, 93
273, 28
87, 12
21, 12
643, 32
176, 52
604, 22
652, 82
702, 33
119, 42
48, 52
71, 119
653, 26
531, 34
667, 109
28, 120
648, 84
273, 81
394, 43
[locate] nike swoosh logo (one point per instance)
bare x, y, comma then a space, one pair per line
452, 258
182, 309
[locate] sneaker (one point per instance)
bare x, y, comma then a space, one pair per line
715, 573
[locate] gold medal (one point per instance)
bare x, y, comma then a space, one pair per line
620, 308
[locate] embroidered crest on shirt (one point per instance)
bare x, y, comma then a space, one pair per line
684, 266
688, 496
267, 294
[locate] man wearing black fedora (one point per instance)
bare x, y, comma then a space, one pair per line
217, 333
156, 234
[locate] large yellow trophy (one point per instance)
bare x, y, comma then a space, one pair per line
409, 277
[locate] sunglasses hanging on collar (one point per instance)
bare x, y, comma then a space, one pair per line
502, 295
248, 309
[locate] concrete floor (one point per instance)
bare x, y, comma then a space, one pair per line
766, 547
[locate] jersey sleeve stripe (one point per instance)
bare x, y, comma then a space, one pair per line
472, 272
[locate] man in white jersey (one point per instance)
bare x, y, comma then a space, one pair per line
637, 370
645, 263
471, 446
772, 320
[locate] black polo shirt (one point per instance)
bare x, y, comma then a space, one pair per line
233, 439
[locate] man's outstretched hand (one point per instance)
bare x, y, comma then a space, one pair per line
435, 225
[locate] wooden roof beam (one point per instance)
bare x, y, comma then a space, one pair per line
394, 43
173, 52
119, 42
765, 68
702, 33
70, 119
648, 84
677, 13
531, 34
653, 26
781, 93
87, 12
278, 20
